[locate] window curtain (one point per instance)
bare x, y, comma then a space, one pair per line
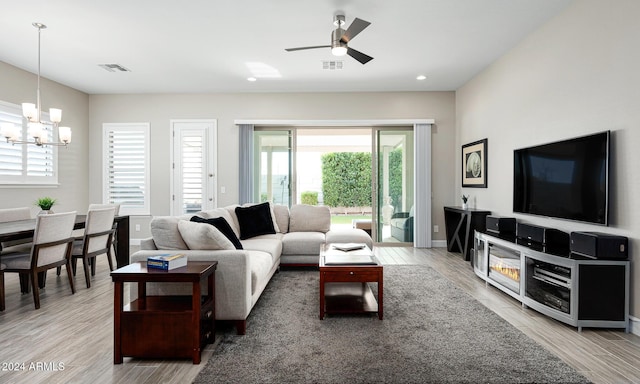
422, 219
246, 163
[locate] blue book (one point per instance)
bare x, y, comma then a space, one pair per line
167, 261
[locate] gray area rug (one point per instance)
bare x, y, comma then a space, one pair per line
432, 332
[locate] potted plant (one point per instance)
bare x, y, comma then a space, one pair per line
464, 201
45, 203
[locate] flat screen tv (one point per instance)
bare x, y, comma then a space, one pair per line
567, 179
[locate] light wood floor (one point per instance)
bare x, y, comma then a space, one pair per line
70, 339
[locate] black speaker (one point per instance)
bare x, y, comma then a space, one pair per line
547, 236
600, 245
501, 225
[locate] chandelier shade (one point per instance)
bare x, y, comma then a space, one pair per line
36, 126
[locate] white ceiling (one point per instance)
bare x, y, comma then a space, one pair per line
203, 46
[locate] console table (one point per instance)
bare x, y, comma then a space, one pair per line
460, 225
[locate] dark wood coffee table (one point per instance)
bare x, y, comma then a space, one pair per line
344, 288
164, 326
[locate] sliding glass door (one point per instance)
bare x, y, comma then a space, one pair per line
394, 185
328, 166
273, 164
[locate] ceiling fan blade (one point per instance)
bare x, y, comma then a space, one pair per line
361, 57
302, 48
356, 27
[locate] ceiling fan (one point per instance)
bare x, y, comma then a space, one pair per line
340, 39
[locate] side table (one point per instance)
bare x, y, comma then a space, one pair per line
164, 326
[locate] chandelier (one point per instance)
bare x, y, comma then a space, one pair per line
37, 127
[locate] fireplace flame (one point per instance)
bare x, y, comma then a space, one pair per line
509, 271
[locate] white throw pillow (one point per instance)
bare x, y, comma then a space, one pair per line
203, 236
164, 230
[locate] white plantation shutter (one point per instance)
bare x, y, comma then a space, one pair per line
193, 165
126, 171
193, 172
26, 163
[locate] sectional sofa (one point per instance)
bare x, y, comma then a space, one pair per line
249, 242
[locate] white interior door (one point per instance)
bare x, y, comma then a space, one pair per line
194, 166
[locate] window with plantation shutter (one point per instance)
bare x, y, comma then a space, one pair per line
126, 167
26, 164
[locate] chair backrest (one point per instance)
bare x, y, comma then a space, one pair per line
98, 221
15, 214
51, 228
102, 206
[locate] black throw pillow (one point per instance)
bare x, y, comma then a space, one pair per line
223, 226
255, 220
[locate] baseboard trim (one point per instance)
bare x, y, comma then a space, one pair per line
634, 325
439, 243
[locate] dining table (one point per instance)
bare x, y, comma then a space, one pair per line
24, 229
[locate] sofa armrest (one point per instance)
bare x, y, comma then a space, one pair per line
148, 244
233, 280
400, 215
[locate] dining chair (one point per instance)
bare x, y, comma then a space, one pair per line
114, 241
79, 233
96, 241
15, 214
52, 244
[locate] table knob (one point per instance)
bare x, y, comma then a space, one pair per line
351, 273
208, 314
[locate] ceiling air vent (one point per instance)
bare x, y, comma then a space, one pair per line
114, 67
332, 64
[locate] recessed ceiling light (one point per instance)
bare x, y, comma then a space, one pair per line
421, 77
262, 70
251, 78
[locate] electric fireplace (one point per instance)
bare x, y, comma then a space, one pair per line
504, 267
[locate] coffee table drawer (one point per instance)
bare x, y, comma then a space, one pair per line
354, 275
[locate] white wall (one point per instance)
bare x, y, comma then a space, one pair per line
159, 109
18, 86
578, 74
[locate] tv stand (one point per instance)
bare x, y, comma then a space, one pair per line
575, 290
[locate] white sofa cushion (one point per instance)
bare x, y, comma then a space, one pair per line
203, 236
260, 264
349, 235
281, 213
302, 243
272, 246
164, 230
309, 218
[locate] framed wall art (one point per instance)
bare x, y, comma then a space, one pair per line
474, 164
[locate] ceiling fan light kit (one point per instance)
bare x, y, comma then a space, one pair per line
340, 39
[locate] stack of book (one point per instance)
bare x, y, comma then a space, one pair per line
167, 261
